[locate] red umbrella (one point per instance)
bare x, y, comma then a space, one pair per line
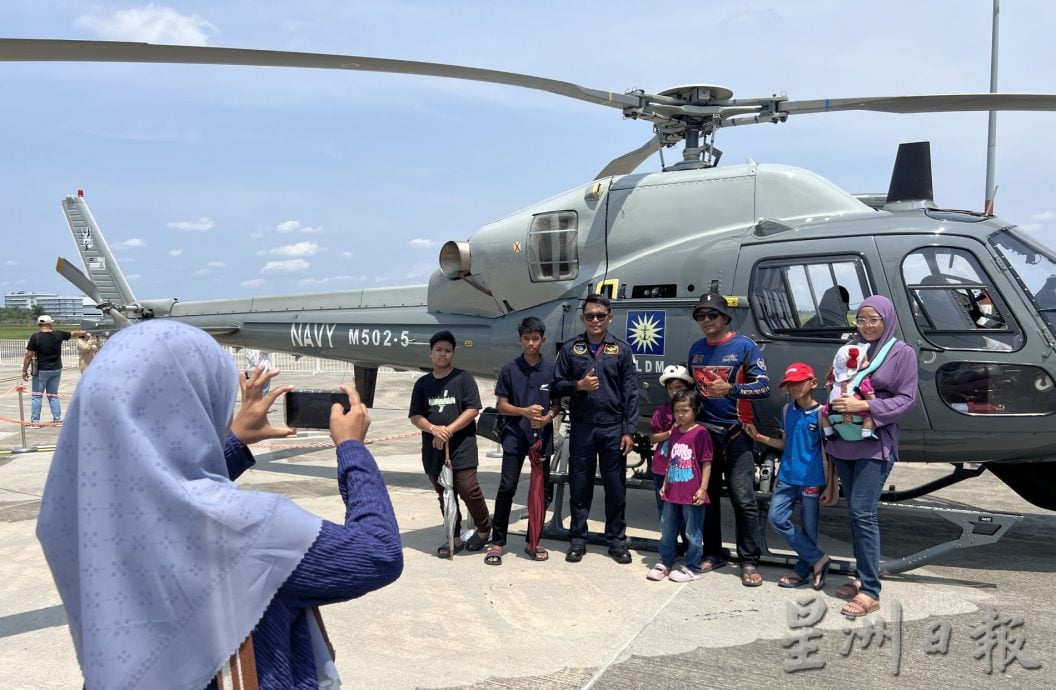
536, 497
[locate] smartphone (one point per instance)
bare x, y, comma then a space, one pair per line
311, 409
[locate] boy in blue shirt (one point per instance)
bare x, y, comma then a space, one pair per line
523, 391
802, 475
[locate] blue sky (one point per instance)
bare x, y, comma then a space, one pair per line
214, 182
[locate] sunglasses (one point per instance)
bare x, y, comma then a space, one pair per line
596, 316
708, 316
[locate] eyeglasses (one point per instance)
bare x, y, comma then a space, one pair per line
596, 316
871, 321
708, 316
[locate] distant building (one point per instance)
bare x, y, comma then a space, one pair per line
67, 309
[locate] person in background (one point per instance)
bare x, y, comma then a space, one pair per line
801, 476
523, 391
444, 407
87, 346
730, 372
161, 592
257, 358
45, 346
596, 371
863, 465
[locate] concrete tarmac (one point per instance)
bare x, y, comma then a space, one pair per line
462, 623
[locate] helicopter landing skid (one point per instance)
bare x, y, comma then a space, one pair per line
978, 528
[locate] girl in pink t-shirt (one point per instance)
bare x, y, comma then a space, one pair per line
684, 490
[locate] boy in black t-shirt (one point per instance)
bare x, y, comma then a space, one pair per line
444, 406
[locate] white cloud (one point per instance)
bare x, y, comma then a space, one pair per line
201, 225
288, 226
421, 243
216, 264
10, 262
256, 235
287, 266
1043, 216
347, 254
151, 24
253, 283
298, 249
175, 252
200, 272
134, 242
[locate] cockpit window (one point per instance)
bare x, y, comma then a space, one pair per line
809, 297
1035, 268
553, 250
955, 305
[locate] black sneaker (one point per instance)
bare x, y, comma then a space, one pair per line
620, 554
575, 553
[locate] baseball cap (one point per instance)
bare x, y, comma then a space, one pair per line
44, 318
797, 372
712, 301
676, 371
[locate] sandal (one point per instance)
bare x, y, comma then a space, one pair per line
444, 551
821, 570
713, 563
793, 580
540, 554
847, 591
476, 542
493, 556
861, 605
750, 576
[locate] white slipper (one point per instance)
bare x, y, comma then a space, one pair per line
659, 572
683, 574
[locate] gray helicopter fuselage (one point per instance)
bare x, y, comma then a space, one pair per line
773, 237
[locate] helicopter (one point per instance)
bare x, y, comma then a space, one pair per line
793, 253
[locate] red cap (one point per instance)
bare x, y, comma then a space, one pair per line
797, 372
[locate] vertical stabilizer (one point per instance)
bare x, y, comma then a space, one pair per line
99, 263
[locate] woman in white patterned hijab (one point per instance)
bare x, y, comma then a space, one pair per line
163, 564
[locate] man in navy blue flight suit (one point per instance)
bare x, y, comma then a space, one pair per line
596, 372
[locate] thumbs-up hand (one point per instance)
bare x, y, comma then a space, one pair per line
589, 382
714, 386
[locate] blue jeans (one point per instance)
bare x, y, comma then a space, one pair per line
802, 539
46, 381
672, 519
863, 481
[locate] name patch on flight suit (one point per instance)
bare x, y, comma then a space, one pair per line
612, 349
579, 349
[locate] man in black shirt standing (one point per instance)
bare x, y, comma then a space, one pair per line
46, 347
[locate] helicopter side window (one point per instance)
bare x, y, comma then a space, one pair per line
955, 305
553, 246
810, 298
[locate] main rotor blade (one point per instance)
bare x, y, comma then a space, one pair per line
926, 104
52, 50
80, 281
627, 163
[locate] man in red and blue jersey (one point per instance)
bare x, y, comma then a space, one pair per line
730, 372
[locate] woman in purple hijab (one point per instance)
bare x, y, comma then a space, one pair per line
863, 466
